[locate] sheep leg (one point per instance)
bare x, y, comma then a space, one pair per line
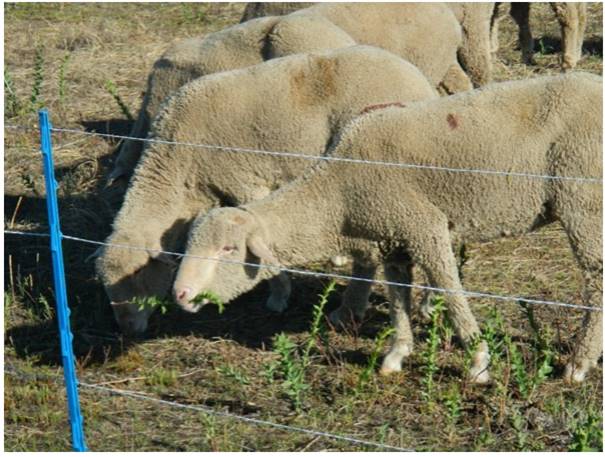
497, 16
400, 298
355, 298
281, 287
455, 80
568, 15
520, 13
425, 231
584, 234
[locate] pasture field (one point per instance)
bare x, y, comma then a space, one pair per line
79, 60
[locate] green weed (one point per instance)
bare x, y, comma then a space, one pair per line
292, 367
12, 107
368, 372
231, 372
110, 86
212, 297
429, 355
34, 99
453, 403
153, 302
162, 377
587, 436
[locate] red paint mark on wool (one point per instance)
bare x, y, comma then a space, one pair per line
452, 121
367, 109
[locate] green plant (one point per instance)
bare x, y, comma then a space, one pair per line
453, 403
292, 367
429, 355
211, 297
62, 81
231, 372
367, 373
544, 355
12, 105
34, 99
519, 424
162, 377
110, 86
587, 436
153, 302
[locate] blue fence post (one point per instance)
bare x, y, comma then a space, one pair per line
67, 355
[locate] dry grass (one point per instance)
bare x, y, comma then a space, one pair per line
221, 361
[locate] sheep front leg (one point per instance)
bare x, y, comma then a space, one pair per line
400, 298
281, 287
425, 229
355, 298
455, 80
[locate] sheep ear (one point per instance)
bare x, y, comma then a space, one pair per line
257, 246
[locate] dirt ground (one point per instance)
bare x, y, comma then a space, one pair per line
62, 56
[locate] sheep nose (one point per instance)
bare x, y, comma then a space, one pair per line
182, 295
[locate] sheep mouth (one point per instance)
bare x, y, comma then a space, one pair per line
195, 306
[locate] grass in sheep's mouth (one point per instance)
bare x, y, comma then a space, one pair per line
208, 296
222, 361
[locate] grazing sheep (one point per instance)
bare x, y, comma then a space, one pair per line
474, 53
254, 10
544, 126
571, 17
399, 28
290, 104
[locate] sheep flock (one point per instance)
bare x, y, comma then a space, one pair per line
301, 82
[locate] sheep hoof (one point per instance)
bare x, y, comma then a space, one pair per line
389, 367
277, 304
574, 374
479, 376
339, 260
343, 317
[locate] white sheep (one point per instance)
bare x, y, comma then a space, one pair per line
291, 104
544, 126
400, 28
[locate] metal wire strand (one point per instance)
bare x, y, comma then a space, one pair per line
467, 293
259, 422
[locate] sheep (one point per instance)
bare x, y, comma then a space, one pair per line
289, 104
474, 53
543, 126
254, 10
571, 17
320, 27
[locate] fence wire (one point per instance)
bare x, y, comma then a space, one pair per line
471, 294
204, 409
307, 156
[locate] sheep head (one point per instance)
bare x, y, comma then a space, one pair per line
221, 245
131, 275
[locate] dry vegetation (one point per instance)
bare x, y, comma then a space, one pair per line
231, 362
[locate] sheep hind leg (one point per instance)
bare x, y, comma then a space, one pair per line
432, 250
520, 13
400, 298
584, 234
355, 298
568, 20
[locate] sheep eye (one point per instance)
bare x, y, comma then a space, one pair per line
228, 249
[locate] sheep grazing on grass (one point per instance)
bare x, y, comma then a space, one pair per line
545, 126
290, 104
398, 28
571, 17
